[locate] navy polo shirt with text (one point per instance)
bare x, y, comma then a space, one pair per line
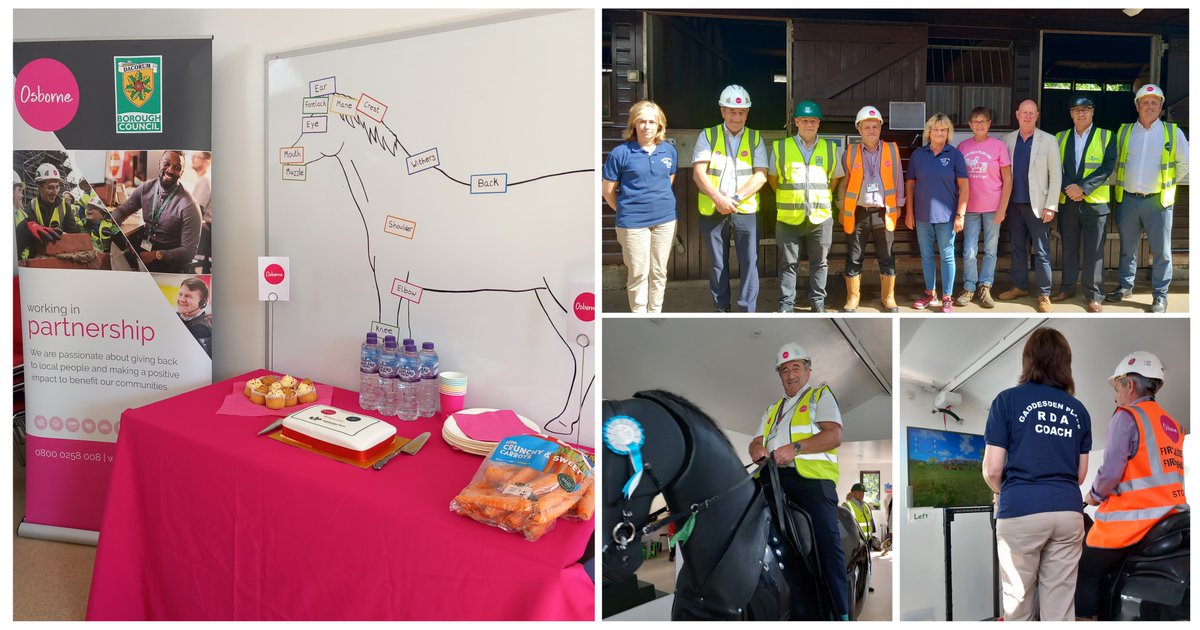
935, 195
1045, 430
1022, 153
644, 195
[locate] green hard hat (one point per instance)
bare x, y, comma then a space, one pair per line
858, 487
807, 109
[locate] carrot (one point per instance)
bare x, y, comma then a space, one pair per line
510, 503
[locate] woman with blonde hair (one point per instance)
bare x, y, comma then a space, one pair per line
936, 206
637, 184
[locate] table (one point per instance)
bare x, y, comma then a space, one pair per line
206, 521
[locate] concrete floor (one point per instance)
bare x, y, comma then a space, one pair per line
692, 296
51, 580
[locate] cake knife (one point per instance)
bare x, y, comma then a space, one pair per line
411, 448
271, 427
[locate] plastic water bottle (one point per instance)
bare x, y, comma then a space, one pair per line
368, 373
389, 363
427, 398
410, 379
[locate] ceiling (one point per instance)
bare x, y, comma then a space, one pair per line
726, 365
937, 352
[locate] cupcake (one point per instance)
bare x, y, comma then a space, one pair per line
258, 395
306, 393
288, 381
289, 397
252, 384
269, 380
275, 399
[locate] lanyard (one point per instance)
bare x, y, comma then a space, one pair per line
158, 210
780, 414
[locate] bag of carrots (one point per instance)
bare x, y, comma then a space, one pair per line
526, 483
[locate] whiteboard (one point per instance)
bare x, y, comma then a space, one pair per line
442, 183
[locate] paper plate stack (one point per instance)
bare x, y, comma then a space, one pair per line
454, 436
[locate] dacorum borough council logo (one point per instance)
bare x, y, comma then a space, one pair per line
139, 94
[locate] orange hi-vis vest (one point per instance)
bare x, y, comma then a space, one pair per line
1152, 486
889, 162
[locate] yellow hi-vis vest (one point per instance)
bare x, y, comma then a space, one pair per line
1093, 158
57, 216
861, 515
102, 234
814, 465
1166, 169
742, 172
889, 165
804, 184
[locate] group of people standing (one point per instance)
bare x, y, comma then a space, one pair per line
1038, 440
1028, 177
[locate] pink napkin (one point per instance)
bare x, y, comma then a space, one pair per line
237, 404
491, 426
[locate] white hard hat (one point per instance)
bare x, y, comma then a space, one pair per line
791, 352
868, 112
47, 172
1140, 362
97, 202
734, 96
1149, 90
17, 178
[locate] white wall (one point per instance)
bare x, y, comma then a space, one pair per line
241, 41
920, 542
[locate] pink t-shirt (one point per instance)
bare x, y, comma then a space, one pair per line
984, 161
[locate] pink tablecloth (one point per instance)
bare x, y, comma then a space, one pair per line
205, 521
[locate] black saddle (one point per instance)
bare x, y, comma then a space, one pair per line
1158, 569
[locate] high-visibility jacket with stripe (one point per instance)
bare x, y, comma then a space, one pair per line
102, 234
1151, 486
862, 516
803, 187
802, 427
717, 166
60, 217
1166, 167
1093, 158
889, 166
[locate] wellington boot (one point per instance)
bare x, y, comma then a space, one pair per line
887, 289
852, 293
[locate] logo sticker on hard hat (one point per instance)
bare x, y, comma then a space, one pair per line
785, 354
738, 100
1132, 360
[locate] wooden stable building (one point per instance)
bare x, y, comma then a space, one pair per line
942, 60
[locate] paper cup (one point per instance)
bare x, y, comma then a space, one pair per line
452, 403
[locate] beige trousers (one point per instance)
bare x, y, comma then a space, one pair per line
645, 251
1039, 553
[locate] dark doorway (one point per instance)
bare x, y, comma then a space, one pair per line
1107, 68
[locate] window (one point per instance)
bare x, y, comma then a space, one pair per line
1056, 85
870, 480
963, 74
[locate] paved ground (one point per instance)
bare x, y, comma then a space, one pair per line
692, 296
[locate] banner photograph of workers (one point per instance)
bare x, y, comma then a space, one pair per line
747, 469
1044, 472
895, 161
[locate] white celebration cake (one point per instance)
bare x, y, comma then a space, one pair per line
339, 432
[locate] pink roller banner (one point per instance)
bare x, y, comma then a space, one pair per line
112, 206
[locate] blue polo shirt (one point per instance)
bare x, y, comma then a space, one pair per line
644, 194
1020, 169
935, 195
1045, 430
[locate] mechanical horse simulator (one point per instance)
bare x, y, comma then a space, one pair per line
746, 555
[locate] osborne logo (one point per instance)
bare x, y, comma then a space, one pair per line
1169, 428
585, 307
273, 274
804, 408
1132, 361
739, 99
786, 354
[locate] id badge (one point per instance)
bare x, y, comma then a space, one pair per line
873, 187
146, 244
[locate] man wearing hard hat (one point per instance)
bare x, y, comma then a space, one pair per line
871, 198
1088, 158
802, 431
46, 216
729, 165
804, 171
1140, 481
1152, 157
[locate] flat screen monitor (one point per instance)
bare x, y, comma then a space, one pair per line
945, 468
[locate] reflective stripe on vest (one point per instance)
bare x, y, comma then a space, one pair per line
1166, 168
802, 427
1151, 486
811, 195
1093, 158
888, 164
56, 220
743, 170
